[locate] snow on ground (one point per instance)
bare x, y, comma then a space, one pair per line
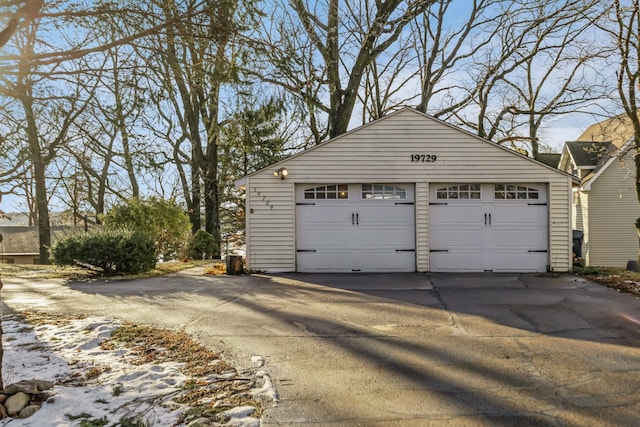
67, 353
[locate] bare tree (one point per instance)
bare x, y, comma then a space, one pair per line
535, 68
444, 49
5, 35
624, 28
325, 49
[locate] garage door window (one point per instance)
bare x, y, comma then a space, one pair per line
334, 191
462, 191
383, 192
515, 192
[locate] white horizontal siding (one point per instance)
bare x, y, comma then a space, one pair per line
560, 236
381, 153
270, 224
613, 209
422, 226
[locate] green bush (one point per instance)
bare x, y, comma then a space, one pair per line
201, 245
588, 270
113, 251
163, 220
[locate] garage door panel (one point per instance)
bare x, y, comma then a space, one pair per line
394, 239
456, 238
522, 262
323, 238
523, 216
385, 216
387, 261
458, 260
450, 215
517, 238
327, 216
360, 233
500, 230
319, 261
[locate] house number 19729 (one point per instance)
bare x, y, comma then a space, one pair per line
424, 158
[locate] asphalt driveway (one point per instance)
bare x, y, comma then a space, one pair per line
398, 349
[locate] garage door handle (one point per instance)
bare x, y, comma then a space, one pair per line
489, 219
357, 219
485, 219
353, 221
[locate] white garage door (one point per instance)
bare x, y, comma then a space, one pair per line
488, 227
355, 227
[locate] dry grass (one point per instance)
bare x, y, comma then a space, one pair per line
214, 384
35, 271
216, 269
616, 278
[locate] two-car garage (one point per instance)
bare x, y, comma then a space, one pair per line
371, 227
408, 193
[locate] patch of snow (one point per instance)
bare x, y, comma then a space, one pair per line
90, 380
257, 361
241, 417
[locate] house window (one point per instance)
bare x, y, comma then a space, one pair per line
383, 192
334, 191
515, 192
462, 191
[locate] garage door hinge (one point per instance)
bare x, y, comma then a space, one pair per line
305, 250
405, 203
405, 250
438, 250
538, 250
537, 204
438, 204
305, 204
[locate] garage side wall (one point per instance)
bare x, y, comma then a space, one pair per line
386, 151
270, 224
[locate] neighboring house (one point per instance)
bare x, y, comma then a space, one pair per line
408, 193
20, 244
551, 159
605, 205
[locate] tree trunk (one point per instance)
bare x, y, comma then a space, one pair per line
212, 206
39, 176
194, 200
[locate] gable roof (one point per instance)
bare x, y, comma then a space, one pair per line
589, 155
551, 159
241, 181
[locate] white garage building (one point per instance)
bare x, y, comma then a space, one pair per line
408, 193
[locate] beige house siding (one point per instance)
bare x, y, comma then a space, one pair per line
580, 218
560, 236
21, 259
380, 152
422, 226
613, 209
270, 224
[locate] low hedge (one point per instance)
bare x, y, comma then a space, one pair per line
113, 251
